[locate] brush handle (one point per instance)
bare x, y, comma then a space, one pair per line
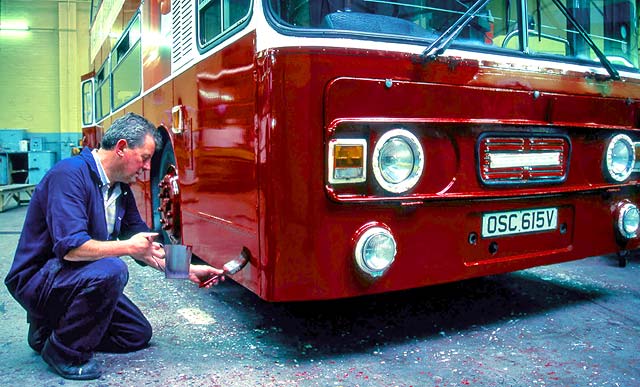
210, 280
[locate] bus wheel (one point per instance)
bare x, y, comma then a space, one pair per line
169, 199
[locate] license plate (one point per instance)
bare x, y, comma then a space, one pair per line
519, 222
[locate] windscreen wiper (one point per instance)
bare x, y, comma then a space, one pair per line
606, 63
438, 46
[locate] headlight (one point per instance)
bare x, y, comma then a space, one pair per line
628, 220
398, 161
375, 251
620, 157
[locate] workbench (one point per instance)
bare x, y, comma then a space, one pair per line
21, 193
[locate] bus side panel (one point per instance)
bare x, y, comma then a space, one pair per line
216, 156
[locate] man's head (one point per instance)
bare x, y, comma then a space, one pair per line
131, 141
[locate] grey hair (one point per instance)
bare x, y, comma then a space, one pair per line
133, 128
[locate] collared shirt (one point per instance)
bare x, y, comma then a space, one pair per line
109, 193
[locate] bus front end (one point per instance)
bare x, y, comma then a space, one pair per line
410, 143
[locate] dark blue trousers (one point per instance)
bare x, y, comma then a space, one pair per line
84, 304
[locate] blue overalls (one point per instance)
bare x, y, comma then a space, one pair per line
83, 302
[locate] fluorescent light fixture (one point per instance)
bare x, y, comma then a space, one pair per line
14, 26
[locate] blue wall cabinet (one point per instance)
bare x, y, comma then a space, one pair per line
39, 164
4, 169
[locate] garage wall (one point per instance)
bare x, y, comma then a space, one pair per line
41, 69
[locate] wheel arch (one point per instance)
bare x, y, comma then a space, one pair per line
164, 153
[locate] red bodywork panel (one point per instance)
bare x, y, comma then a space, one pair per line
253, 169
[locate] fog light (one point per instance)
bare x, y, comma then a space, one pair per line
375, 251
628, 220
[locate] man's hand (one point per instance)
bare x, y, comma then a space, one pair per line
144, 249
201, 273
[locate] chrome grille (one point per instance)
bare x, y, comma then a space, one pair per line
523, 159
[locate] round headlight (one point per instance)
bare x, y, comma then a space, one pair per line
398, 161
620, 157
628, 220
375, 251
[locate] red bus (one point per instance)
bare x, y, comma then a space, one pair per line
367, 146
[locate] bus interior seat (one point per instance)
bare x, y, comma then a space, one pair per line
368, 22
318, 9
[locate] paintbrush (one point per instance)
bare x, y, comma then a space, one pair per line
231, 267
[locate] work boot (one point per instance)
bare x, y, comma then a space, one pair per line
68, 369
38, 334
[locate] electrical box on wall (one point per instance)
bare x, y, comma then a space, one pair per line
36, 144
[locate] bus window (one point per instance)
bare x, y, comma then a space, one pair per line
126, 73
611, 24
103, 92
95, 6
413, 19
87, 102
216, 17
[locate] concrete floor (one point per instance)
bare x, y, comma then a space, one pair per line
573, 324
